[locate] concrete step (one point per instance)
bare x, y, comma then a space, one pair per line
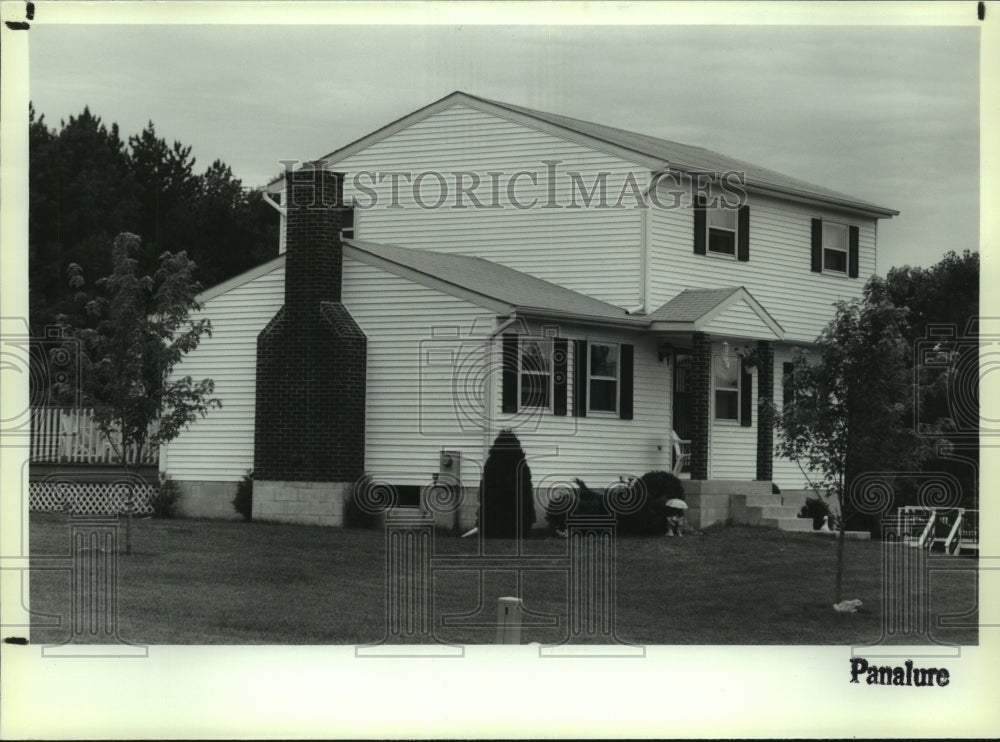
848, 535
753, 516
788, 524
759, 501
794, 498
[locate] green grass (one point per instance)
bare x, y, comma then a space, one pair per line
214, 582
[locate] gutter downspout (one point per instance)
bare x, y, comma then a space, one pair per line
654, 179
488, 349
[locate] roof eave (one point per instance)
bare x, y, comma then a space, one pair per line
632, 323
795, 194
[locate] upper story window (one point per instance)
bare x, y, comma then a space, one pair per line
834, 248
603, 377
535, 376
722, 231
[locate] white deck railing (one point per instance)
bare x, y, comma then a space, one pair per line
60, 435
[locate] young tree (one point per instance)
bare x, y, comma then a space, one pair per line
850, 406
139, 330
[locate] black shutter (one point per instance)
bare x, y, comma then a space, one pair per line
788, 389
509, 373
852, 260
560, 352
743, 233
746, 397
625, 382
817, 245
700, 226
580, 378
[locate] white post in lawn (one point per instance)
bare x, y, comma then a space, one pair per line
509, 620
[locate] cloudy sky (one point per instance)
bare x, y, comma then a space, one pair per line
887, 114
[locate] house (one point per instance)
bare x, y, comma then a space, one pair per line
489, 266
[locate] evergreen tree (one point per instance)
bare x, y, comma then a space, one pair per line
506, 496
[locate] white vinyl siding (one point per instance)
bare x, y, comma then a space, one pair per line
600, 447
741, 321
219, 447
426, 371
592, 250
425, 364
787, 474
733, 447
778, 274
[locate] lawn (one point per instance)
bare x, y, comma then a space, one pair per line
220, 582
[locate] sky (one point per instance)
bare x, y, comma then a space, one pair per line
887, 114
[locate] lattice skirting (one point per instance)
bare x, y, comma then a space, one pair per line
89, 498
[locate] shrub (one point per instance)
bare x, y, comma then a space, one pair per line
165, 497
817, 509
581, 501
506, 492
243, 500
354, 515
655, 487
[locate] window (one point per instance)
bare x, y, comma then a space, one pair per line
834, 248
535, 374
726, 382
722, 231
603, 379
347, 227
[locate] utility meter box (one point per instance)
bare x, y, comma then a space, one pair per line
450, 465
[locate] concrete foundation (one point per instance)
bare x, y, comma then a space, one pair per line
207, 500
306, 503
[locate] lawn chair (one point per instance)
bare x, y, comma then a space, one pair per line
682, 452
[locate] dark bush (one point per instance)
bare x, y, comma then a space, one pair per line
506, 495
354, 515
164, 499
817, 509
653, 489
243, 500
648, 494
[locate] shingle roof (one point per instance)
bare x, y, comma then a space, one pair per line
506, 285
673, 154
686, 157
691, 304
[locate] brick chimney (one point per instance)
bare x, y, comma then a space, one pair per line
309, 429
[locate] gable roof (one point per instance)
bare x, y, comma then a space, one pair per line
696, 309
489, 284
504, 290
653, 152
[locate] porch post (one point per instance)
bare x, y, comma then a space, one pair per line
701, 394
765, 416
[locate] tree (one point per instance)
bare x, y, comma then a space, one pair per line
139, 329
849, 409
506, 493
943, 302
88, 184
